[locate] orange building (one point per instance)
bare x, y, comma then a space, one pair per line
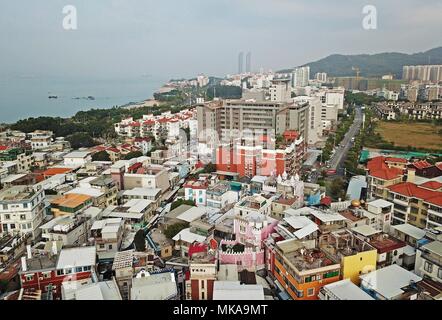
302, 270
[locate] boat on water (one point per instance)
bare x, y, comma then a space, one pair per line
53, 97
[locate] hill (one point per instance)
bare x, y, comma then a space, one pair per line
373, 65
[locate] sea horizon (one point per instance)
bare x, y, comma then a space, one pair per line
27, 96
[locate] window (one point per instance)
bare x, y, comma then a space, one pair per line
428, 267
7, 216
68, 271
202, 284
29, 277
25, 205
202, 296
22, 217
60, 272
110, 247
101, 246
88, 268
5, 207
78, 269
439, 273
46, 275
310, 292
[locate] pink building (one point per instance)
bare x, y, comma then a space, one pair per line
247, 250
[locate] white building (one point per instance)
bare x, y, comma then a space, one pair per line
280, 90
429, 261
108, 235
22, 210
41, 139
315, 128
77, 158
300, 76
158, 286
382, 212
343, 290
234, 290
389, 283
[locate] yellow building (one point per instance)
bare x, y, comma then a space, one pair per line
355, 255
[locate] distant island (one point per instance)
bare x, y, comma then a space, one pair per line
84, 98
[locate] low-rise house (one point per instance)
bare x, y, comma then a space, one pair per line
70, 230
343, 290
429, 261
151, 194
135, 212
390, 250
196, 190
391, 283
47, 273
108, 236
78, 290
156, 286
77, 159
127, 264
234, 290
202, 273
70, 204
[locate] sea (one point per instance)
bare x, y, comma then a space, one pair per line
25, 96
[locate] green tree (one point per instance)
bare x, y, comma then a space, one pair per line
209, 168
101, 156
174, 229
140, 241
337, 189
81, 140
180, 202
133, 154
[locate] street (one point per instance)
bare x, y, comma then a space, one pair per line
338, 158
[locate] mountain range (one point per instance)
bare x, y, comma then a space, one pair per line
372, 65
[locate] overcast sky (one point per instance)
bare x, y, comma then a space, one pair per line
184, 37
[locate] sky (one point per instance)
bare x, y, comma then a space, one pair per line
182, 38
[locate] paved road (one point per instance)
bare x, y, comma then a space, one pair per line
337, 161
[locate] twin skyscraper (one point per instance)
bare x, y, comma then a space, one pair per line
248, 68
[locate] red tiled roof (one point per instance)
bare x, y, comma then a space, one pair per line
386, 173
3, 148
393, 159
434, 185
437, 200
197, 248
99, 148
378, 169
135, 124
134, 167
54, 171
439, 165
409, 189
113, 150
422, 164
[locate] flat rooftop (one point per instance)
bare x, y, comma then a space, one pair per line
384, 243
17, 193
71, 200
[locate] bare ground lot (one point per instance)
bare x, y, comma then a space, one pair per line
419, 135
